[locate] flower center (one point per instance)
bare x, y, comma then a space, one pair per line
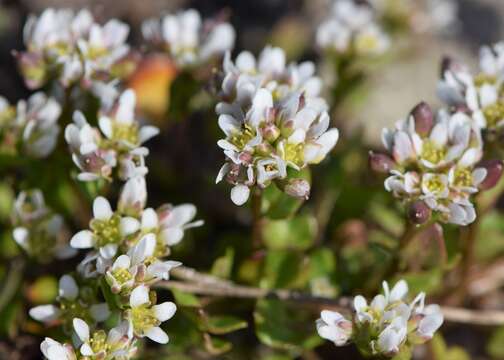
107, 231
494, 114
143, 318
434, 184
463, 177
431, 153
294, 153
125, 132
122, 275
98, 342
482, 79
242, 138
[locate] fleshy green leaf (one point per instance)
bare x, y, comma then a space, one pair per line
219, 325
296, 233
223, 266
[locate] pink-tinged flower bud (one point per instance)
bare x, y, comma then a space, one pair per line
494, 173
270, 132
424, 118
299, 188
380, 163
418, 212
264, 149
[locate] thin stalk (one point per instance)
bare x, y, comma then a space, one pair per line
12, 282
470, 234
407, 236
257, 240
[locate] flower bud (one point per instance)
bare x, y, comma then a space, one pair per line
264, 149
33, 69
299, 188
270, 132
380, 163
133, 197
424, 118
494, 173
418, 212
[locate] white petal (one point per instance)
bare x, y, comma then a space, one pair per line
146, 133
86, 350
172, 236
157, 334
122, 262
82, 240
149, 219
129, 225
68, 288
99, 312
164, 311
139, 296
399, 291
81, 329
102, 209
106, 126
240, 194
44, 312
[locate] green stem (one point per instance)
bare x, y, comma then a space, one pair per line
407, 236
470, 234
12, 282
257, 240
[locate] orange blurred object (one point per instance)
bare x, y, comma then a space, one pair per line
151, 82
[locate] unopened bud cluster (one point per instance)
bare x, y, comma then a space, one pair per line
386, 327
273, 119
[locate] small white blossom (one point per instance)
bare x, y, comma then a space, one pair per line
145, 318
108, 230
334, 327
53, 350
187, 39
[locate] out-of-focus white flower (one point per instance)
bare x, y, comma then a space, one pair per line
384, 326
435, 160
108, 230
334, 327
71, 47
53, 350
144, 317
39, 231
40, 114
188, 40
100, 345
71, 305
133, 197
352, 27
264, 141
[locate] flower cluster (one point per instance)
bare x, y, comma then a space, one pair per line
480, 95
31, 127
434, 163
115, 145
273, 119
39, 231
389, 325
189, 41
352, 27
73, 47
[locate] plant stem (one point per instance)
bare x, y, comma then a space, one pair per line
470, 234
407, 236
12, 282
257, 240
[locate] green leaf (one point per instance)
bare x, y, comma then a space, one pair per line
280, 328
442, 352
281, 269
495, 346
223, 266
296, 233
219, 325
185, 299
215, 345
427, 281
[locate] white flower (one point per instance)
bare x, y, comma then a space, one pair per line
54, 350
351, 27
189, 41
334, 327
133, 197
120, 126
145, 318
269, 137
70, 305
108, 230
39, 116
100, 345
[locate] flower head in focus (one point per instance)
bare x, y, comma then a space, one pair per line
145, 317
100, 345
187, 39
434, 159
387, 326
